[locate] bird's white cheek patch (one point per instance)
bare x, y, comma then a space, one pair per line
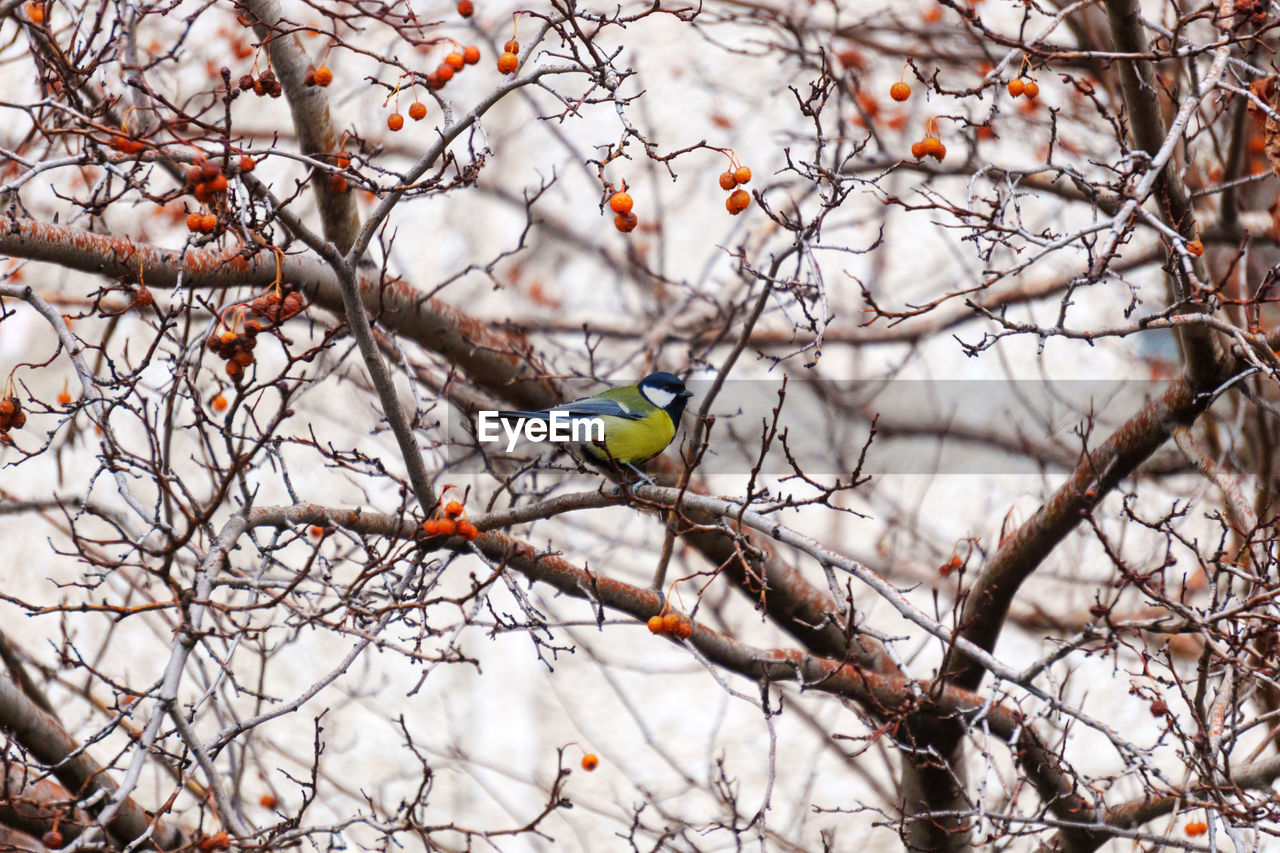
658, 396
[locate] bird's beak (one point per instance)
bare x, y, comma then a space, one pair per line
686, 393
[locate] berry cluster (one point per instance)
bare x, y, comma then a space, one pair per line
454, 522
277, 307
235, 348
738, 200
321, 76
1029, 88
454, 62
205, 179
509, 59
620, 203
672, 625
202, 223
264, 84
11, 414
931, 145
1197, 827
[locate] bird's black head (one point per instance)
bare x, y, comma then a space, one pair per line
666, 391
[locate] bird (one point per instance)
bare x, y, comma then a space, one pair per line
639, 421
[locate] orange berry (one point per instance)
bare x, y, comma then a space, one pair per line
395, 121
142, 297
508, 62
337, 183
1195, 248
471, 54
247, 164
620, 202
1031, 90
431, 527
742, 175
737, 201
512, 46
1197, 827
323, 76
417, 111
234, 369
1017, 87
671, 623
453, 509
447, 526
900, 91
444, 72
467, 530
590, 762
267, 801
52, 839
684, 630
625, 222
219, 403
228, 337
917, 150
218, 184
932, 146
208, 223
63, 398
35, 14
194, 221
456, 61
655, 625
466, 8
727, 181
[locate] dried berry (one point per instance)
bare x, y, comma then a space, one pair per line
737, 201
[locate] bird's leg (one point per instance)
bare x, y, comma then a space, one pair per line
645, 479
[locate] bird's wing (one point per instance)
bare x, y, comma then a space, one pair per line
596, 407
588, 407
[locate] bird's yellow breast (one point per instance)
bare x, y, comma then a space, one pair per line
634, 441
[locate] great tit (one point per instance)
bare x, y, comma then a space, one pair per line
639, 420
